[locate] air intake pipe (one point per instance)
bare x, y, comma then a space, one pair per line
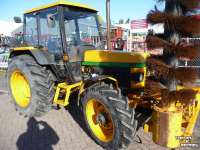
108, 23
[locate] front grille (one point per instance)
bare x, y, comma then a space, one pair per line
121, 74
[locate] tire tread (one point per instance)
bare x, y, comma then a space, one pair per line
41, 78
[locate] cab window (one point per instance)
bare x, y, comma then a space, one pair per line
30, 30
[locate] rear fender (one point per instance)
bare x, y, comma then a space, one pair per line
42, 57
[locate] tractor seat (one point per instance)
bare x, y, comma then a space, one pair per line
120, 44
83, 49
52, 47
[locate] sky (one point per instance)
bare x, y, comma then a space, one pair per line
120, 9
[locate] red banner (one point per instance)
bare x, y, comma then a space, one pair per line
139, 24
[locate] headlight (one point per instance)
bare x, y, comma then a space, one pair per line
141, 77
137, 77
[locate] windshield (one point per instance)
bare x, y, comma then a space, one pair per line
81, 28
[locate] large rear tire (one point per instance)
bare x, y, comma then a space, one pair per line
109, 117
30, 86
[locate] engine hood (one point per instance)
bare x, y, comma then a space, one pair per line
115, 58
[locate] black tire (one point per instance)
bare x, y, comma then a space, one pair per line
40, 83
122, 115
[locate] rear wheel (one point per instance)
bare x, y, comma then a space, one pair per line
30, 86
108, 116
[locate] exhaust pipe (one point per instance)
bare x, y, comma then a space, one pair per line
108, 23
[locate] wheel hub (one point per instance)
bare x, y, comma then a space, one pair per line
102, 118
20, 88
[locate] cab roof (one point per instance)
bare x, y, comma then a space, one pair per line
61, 3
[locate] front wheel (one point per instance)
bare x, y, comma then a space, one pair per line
108, 116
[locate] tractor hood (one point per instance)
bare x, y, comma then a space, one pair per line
115, 58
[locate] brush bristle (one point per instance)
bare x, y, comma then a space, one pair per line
186, 25
191, 51
186, 5
153, 87
163, 71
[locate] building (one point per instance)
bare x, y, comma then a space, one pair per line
6, 27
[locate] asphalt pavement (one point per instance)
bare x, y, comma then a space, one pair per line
3, 82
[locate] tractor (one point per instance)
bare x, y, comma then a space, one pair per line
109, 84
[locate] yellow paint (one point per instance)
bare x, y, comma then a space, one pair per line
20, 88
192, 121
65, 3
104, 133
114, 56
166, 126
134, 99
148, 126
25, 48
68, 91
28, 48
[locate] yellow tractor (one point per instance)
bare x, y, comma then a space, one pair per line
110, 84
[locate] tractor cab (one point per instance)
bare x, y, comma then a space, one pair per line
78, 44
64, 29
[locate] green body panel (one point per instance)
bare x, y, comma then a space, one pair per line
109, 64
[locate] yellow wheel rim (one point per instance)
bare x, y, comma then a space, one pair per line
104, 132
20, 88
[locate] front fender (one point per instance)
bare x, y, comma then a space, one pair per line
93, 80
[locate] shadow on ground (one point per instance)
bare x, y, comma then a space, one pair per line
141, 115
76, 112
39, 135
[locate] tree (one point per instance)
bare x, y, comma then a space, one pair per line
121, 21
99, 17
128, 21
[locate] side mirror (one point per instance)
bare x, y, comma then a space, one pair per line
17, 20
51, 21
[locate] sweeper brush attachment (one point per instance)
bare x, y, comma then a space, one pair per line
178, 106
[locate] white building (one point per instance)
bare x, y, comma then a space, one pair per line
140, 29
158, 28
6, 27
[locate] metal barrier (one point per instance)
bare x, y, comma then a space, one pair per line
4, 59
191, 63
182, 62
138, 46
